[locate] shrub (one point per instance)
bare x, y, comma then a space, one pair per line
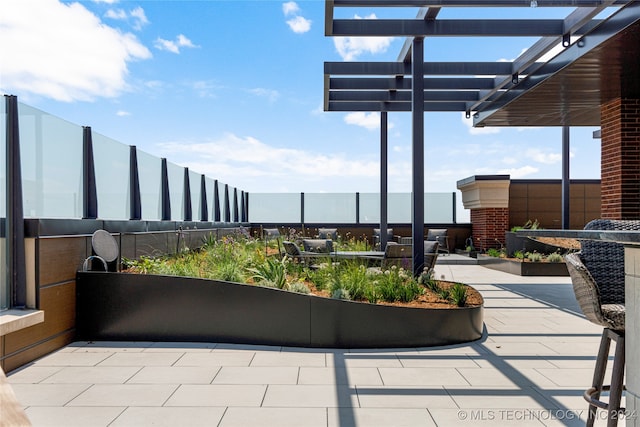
341, 293
300, 288
494, 252
519, 255
555, 257
458, 294
534, 256
273, 270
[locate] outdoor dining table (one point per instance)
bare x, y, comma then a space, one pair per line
631, 242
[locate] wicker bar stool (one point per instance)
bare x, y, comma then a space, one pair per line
597, 275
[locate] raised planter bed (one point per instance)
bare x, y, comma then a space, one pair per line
132, 307
523, 268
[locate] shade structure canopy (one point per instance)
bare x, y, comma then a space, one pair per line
577, 63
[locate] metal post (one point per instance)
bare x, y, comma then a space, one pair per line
455, 208
204, 209
383, 179
243, 214
566, 210
357, 208
89, 192
417, 113
135, 204
15, 258
236, 217
216, 202
165, 198
186, 209
246, 206
302, 209
227, 208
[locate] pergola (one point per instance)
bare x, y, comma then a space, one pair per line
599, 59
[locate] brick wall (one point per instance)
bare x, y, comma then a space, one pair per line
488, 227
620, 169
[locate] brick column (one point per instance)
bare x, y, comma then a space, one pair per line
620, 160
487, 196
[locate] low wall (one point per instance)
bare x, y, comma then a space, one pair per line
132, 307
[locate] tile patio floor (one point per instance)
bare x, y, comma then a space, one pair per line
530, 369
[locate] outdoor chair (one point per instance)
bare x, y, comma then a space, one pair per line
318, 246
397, 254
293, 251
269, 234
439, 235
328, 233
104, 248
377, 236
597, 275
430, 256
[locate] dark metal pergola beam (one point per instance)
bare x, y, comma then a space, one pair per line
467, 3
403, 96
395, 106
395, 83
430, 68
448, 28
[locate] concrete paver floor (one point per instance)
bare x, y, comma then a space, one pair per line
530, 369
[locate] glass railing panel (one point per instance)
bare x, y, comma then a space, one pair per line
210, 185
51, 151
438, 208
369, 208
329, 208
176, 190
194, 186
111, 159
4, 289
234, 204
149, 175
399, 208
274, 207
223, 202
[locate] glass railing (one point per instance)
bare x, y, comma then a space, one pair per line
347, 208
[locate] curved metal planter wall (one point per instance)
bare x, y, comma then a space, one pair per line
132, 307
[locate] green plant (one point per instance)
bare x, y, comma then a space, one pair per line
341, 293
534, 256
444, 293
519, 255
458, 294
494, 252
555, 257
273, 270
300, 288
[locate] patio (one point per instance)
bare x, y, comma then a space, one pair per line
531, 368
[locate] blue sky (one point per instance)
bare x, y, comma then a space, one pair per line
234, 89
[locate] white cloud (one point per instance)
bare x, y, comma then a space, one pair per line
63, 51
240, 160
174, 46
539, 156
136, 16
205, 88
299, 24
517, 173
349, 48
369, 121
475, 130
290, 8
270, 94
122, 113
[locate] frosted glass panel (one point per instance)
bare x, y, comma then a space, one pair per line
399, 207
51, 151
233, 203
176, 190
274, 207
370, 208
149, 174
194, 186
438, 208
330, 208
111, 160
210, 185
223, 201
